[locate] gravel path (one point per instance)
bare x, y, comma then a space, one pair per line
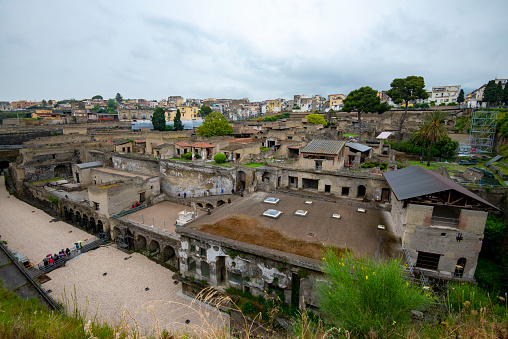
109, 296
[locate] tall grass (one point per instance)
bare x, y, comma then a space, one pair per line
364, 296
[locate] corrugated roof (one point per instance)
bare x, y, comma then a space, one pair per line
495, 159
324, 147
415, 181
90, 164
384, 135
358, 147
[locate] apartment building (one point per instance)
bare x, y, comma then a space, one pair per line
336, 101
186, 113
445, 94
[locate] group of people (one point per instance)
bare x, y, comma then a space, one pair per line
207, 193
136, 204
63, 254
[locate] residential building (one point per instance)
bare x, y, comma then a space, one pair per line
336, 101
445, 94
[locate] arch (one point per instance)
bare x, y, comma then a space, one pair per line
140, 242
3, 165
154, 246
459, 268
200, 204
220, 203
61, 171
77, 218
266, 177
71, 215
91, 223
84, 221
168, 253
100, 227
210, 206
241, 180
129, 237
361, 191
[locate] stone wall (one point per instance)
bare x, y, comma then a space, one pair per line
136, 164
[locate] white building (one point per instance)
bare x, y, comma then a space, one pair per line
445, 94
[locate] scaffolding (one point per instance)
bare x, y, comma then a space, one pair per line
483, 131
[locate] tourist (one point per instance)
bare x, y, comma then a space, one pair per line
68, 252
137, 203
51, 261
185, 194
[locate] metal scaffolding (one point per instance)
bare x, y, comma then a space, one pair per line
483, 131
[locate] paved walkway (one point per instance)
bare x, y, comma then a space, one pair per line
122, 289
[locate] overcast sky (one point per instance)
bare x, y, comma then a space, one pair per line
256, 49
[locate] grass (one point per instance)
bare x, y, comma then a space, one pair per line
245, 229
45, 181
217, 164
350, 135
255, 164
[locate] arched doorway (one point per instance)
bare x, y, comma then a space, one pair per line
210, 206
361, 191
4, 165
77, 218
140, 243
129, 238
91, 223
459, 268
84, 221
116, 232
220, 203
241, 180
154, 247
62, 171
100, 227
169, 256
66, 213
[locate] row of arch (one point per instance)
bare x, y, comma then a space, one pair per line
83, 221
138, 242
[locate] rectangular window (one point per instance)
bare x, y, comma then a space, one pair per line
96, 206
202, 251
428, 260
205, 269
234, 277
192, 265
193, 249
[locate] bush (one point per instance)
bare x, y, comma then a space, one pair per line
365, 296
263, 149
187, 156
220, 158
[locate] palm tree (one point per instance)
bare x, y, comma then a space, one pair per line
420, 138
433, 130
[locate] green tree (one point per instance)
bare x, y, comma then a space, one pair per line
205, 110
493, 93
50, 103
118, 98
97, 97
363, 100
177, 125
159, 119
315, 119
112, 104
215, 124
406, 90
433, 130
460, 98
96, 108
220, 158
505, 94
43, 103
368, 296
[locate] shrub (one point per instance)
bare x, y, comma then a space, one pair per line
187, 156
263, 149
366, 296
220, 158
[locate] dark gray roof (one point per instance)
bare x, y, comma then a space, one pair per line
493, 160
415, 181
162, 146
90, 164
324, 147
358, 147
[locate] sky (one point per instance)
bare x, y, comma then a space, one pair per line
236, 49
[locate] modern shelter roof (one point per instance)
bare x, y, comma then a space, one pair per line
358, 147
415, 181
90, 164
324, 147
384, 135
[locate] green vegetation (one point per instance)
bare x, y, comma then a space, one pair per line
188, 156
205, 110
220, 158
315, 119
463, 124
53, 200
214, 124
365, 296
177, 122
432, 131
118, 98
263, 149
406, 90
363, 100
373, 164
277, 117
350, 135
21, 318
493, 93
159, 119
255, 164
45, 181
10, 115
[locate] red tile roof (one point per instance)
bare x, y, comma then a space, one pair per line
183, 144
202, 145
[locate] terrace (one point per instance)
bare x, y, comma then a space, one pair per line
300, 228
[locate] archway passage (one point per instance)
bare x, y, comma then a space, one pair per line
91, 224
4, 165
210, 206
62, 171
220, 203
99, 228
140, 243
361, 191
129, 237
169, 257
84, 222
77, 218
154, 246
242, 178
